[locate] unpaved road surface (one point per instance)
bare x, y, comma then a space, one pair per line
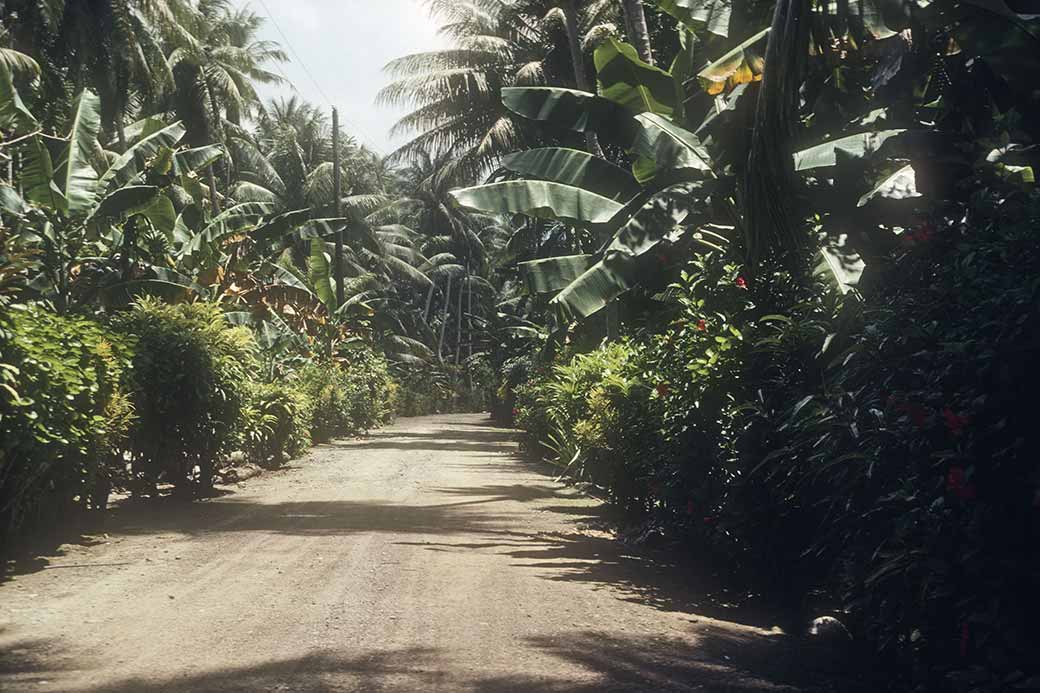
425, 557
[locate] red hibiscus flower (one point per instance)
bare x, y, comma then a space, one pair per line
741, 283
702, 325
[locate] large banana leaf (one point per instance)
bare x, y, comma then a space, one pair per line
278, 226
574, 167
593, 290
710, 15
319, 269
663, 147
745, 63
655, 221
901, 185
567, 109
126, 167
14, 116
11, 202
141, 129
231, 221
858, 146
124, 200
162, 215
402, 269
191, 160
37, 177
554, 273
628, 81
319, 228
78, 177
539, 199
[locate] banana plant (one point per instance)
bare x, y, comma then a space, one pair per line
73, 202
632, 212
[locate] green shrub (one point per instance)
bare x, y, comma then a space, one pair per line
347, 395
276, 423
190, 374
586, 414
64, 414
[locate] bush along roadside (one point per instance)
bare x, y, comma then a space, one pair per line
159, 394
869, 456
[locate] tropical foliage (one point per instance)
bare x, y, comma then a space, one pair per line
761, 271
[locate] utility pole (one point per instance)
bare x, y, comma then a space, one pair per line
338, 194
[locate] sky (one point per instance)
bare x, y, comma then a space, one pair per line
344, 45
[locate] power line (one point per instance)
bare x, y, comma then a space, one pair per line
292, 49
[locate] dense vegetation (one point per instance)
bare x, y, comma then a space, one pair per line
764, 272
179, 279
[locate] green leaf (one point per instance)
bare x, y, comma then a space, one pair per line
11, 202
858, 146
592, 290
663, 147
192, 160
576, 168
538, 199
566, 109
657, 220
745, 63
123, 201
162, 215
14, 116
129, 164
279, 226
78, 178
319, 268
710, 15
37, 177
141, 129
626, 80
901, 185
555, 273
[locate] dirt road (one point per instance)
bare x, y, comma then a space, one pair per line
425, 557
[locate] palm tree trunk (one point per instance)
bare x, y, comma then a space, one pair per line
444, 321
213, 189
215, 107
635, 26
458, 323
469, 316
581, 80
429, 300
770, 184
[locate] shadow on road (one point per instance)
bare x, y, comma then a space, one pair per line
573, 662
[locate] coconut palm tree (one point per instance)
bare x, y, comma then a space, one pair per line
216, 74
455, 93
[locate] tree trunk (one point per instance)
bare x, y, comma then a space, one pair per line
213, 190
458, 323
469, 316
635, 26
581, 80
444, 321
337, 194
429, 300
771, 185
215, 107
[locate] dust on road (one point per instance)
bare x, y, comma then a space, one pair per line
425, 557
